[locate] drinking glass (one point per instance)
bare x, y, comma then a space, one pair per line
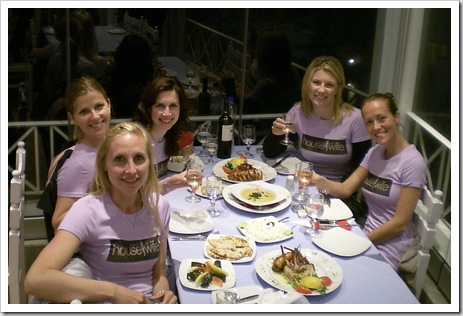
248, 136
213, 190
303, 173
211, 146
314, 206
289, 125
203, 133
194, 179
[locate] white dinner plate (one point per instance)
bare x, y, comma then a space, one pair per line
324, 266
181, 226
341, 242
280, 193
262, 233
268, 172
267, 209
226, 266
287, 167
179, 166
243, 291
337, 211
250, 240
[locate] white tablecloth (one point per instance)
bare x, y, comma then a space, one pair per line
367, 279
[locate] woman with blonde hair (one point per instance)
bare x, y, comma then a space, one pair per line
123, 213
330, 131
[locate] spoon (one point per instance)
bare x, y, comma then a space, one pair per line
272, 224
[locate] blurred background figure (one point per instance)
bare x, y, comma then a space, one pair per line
134, 67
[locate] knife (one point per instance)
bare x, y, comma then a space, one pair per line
189, 238
281, 160
247, 299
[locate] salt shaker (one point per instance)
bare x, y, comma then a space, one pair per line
290, 183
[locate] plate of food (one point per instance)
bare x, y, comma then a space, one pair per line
265, 230
178, 163
201, 191
207, 275
314, 273
264, 209
240, 169
190, 222
232, 248
259, 193
287, 167
341, 242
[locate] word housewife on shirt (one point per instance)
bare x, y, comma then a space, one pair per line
320, 145
377, 185
134, 250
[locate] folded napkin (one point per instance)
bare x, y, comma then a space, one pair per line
342, 223
270, 296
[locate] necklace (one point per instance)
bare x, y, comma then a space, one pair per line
318, 120
132, 218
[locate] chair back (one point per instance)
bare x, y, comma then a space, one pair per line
132, 25
16, 263
427, 213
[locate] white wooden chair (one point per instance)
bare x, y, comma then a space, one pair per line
16, 264
427, 213
133, 25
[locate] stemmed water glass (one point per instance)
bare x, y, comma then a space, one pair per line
204, 132
303, 174
248, 136
314, 206
213, 190
289, 125
194, 179
211, 146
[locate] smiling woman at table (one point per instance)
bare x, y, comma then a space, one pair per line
391, 175
163, 111
123, 215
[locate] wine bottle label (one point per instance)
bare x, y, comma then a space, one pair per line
227, 133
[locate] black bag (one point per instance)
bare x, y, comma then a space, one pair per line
47, 202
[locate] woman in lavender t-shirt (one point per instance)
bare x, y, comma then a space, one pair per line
392, 176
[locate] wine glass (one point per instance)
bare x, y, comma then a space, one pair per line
289, 125
248, 136
194, 179
211, 146
203, 133
303, 174
314, 206
213, 190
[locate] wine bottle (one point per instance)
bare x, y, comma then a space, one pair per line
204, 100
225, 132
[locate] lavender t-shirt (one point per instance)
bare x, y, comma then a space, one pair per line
381, 189
118, 247
328, 146
161, 158
76, 174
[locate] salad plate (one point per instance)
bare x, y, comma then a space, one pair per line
324, 266
227, 266
262, 232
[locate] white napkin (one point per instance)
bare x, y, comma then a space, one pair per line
270, 296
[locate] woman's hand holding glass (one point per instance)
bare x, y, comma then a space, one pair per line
288, 125
194, 179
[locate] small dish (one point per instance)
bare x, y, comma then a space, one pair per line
175, 165
226, 266
179, 224
341, 242
262, 232
243, 292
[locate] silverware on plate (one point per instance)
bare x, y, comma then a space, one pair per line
281, 160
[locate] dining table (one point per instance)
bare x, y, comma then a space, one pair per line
366, 277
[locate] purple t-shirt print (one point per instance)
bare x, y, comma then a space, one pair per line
378, 185
325, 146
